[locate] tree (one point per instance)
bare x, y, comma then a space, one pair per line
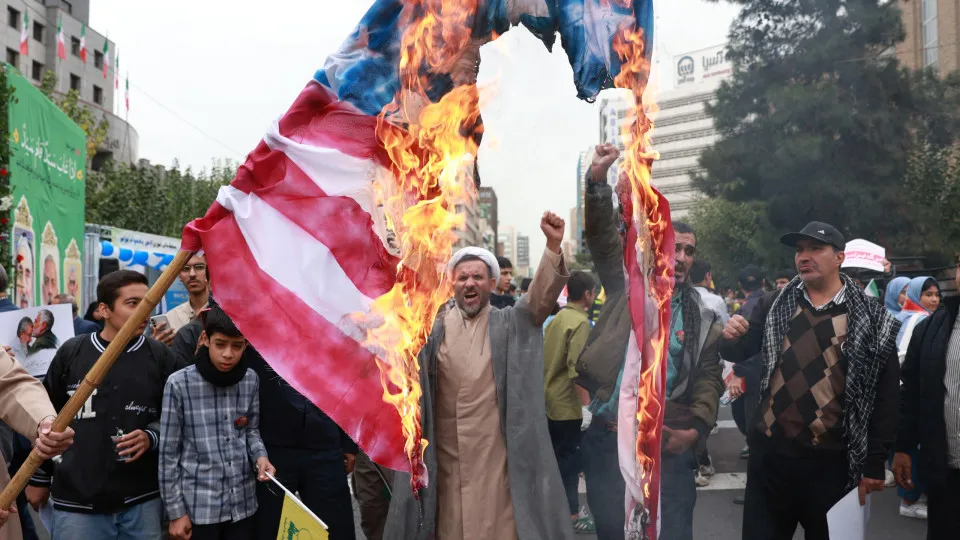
94, 125
932, 202
818, 121
153, 199
731, 235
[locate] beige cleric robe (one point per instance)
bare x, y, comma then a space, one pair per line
491, 468
23, 404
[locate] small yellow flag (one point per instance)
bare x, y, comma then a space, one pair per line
296, 523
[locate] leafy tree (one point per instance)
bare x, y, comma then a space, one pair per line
731, 235
153, 199
932, 202
819, 119
94, 125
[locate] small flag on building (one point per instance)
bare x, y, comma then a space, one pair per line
126, 95
106, 57
296, 520
83, 43
25, 35
116, 70
61, 44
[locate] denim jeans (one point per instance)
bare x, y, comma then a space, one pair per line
140, 522
605, 485
678, 495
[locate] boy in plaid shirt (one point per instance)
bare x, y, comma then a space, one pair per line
210, 445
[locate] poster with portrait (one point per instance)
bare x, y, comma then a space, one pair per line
72, 271
49, 265
24, 255
36, 333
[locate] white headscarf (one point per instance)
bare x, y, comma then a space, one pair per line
489, 258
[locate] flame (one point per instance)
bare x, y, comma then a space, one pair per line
644, 210
431, 147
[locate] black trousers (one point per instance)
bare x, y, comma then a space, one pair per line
240, 530
783, 492
565, 436
605, 486
943, 508
321, 484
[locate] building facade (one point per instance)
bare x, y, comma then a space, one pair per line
931, 27
522, 264
683, 129
576, 225
96, 91
507, 243
470, 232
488, 218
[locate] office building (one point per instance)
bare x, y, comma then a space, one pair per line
470, 232
576, 225
522, 264
96, 91
507, 243
931, 28
488, 218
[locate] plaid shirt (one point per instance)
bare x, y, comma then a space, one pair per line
209, 444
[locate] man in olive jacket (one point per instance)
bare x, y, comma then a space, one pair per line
694, 381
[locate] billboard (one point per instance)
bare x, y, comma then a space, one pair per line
699, 66
48, 172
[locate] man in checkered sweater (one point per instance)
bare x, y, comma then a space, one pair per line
829, 392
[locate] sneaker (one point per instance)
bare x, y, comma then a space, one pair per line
889, 480
917, 510
715, 430
745, 452
584, 523
702, 479
707, 470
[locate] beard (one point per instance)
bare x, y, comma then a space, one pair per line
475, 305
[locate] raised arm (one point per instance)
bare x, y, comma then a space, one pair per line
552, 273
600, 230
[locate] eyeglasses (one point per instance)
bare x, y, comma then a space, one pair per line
198, 268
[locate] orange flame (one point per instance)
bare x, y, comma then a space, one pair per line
634, 75
431, 146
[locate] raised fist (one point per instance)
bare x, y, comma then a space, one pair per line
552, 226
604, 156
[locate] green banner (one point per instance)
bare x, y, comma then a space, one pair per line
47, 180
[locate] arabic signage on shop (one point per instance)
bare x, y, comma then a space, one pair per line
48, 175
703, 65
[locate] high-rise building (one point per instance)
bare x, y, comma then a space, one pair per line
576, 225
507, 240
95, 90
617, 114
683, 129
488, 217
932, 28
523, 253
470, 233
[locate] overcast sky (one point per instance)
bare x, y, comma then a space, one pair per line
231, 67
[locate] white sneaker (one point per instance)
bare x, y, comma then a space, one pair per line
917, 510
889, 480
702, 479
707, 470
715, 430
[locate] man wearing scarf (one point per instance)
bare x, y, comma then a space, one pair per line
828, 391
490, 465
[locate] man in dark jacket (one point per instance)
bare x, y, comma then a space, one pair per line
828, 392
930, 417
693, 375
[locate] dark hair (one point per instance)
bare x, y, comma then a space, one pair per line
681, 227
216, 321
785, 274
108, 290
525, 284
65, 298
504, 263
751, 278
91, 309
699, 270
471, 258
930, 283
22, 325
512, 289
578, 285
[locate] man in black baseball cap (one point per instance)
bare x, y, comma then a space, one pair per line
828, 391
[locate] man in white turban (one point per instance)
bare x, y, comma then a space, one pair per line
490, 464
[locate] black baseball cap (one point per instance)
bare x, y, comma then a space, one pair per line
751, 277
819, 232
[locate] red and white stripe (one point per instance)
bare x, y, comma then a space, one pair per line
293, 249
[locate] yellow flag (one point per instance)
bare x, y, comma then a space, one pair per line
297, 523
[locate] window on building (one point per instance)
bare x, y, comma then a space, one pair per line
929, 35
13, 57
74, 82
98, 59
75, 46
36, 71
67, 6
97, 95
38, 31
13, 18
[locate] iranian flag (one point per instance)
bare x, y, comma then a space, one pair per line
116, 70
61, 46
126, 94
83, 43
106, 57
25, 35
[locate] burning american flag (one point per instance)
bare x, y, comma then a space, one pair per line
328, 247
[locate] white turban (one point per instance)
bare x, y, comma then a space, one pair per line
484, 256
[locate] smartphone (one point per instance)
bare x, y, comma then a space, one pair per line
157, 319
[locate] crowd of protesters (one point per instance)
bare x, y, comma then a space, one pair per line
834, 390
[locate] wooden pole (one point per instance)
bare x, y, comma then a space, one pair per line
96, 374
